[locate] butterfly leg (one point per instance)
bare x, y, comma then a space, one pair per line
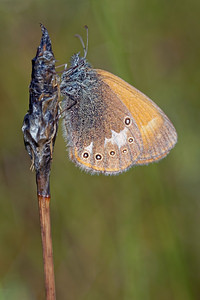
71, 105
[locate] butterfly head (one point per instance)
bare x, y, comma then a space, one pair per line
78, 62
74, 76
80, 73
75, 60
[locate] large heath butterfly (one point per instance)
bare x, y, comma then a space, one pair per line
109, 125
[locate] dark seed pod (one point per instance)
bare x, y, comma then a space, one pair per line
41, 122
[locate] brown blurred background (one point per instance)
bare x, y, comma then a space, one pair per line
133, 236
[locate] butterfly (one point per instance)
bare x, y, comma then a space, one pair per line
108, 124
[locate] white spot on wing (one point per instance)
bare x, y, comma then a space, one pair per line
89, 148
118, 138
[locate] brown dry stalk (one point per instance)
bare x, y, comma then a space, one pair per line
45, 225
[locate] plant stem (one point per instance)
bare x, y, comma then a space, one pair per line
45, 225
43, 192
42, 179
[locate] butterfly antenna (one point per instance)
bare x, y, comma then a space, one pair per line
85, 48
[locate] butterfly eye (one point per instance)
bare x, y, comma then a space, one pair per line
112, 153
124, 150
130, 140
127, 121
98, 156
85, 154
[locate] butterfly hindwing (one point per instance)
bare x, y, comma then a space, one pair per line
103, 136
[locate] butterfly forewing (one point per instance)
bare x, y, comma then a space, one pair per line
157, 132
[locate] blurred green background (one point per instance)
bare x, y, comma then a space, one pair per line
132, 236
